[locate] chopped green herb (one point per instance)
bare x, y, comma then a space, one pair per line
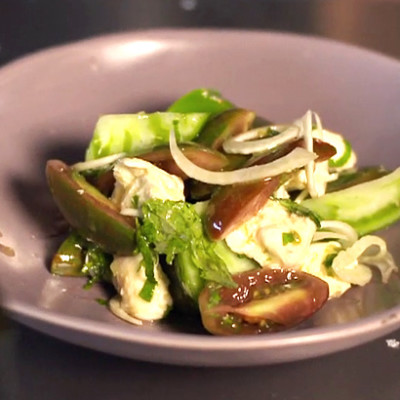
147, 291
173, 227
150, 259
298, 209
228, 319
272, 132
232, 321
102, 302
290, 237
328, 263
214, 299
96, 265
135, 201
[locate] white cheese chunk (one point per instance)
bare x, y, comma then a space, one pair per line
129, 278
262, 236
138, 181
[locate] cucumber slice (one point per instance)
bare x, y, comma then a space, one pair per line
137, 133
343, 155
367, 207
236, 263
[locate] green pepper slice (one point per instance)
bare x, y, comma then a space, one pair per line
201, 100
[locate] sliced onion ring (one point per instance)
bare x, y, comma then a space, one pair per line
337, 230
244, 143
306, 128
98, 163
352, 265
295, 159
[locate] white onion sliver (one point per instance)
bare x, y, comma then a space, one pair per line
295, 159
130, 212
302, 196
386, 266
306, 123
342, 228
318, 236
319, 124
244, 143
349, 265
98, 163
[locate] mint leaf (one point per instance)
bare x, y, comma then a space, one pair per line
150, 259
96, 265
173, 227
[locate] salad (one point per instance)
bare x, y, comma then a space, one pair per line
209, 209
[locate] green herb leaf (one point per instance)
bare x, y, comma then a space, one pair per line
173, 227
102, 302
147, 291
272, 132
96, 265
290, 237
215, 299
150, 259
328, 263
298, 209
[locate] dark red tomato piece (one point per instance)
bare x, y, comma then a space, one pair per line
227, 124
265, 300
202, 156
104, 182
233, 205
323, 150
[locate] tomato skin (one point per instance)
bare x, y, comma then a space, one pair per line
323, 150
233, 205
265, 300
202, 156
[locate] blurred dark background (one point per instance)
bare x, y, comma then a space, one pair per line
28, 25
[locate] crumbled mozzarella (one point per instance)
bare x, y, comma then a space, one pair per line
138, 181
129, 278
261, 236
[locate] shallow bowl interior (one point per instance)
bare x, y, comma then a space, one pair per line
49, 103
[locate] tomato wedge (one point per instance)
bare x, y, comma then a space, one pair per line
323, 150
233, 205
265, 300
